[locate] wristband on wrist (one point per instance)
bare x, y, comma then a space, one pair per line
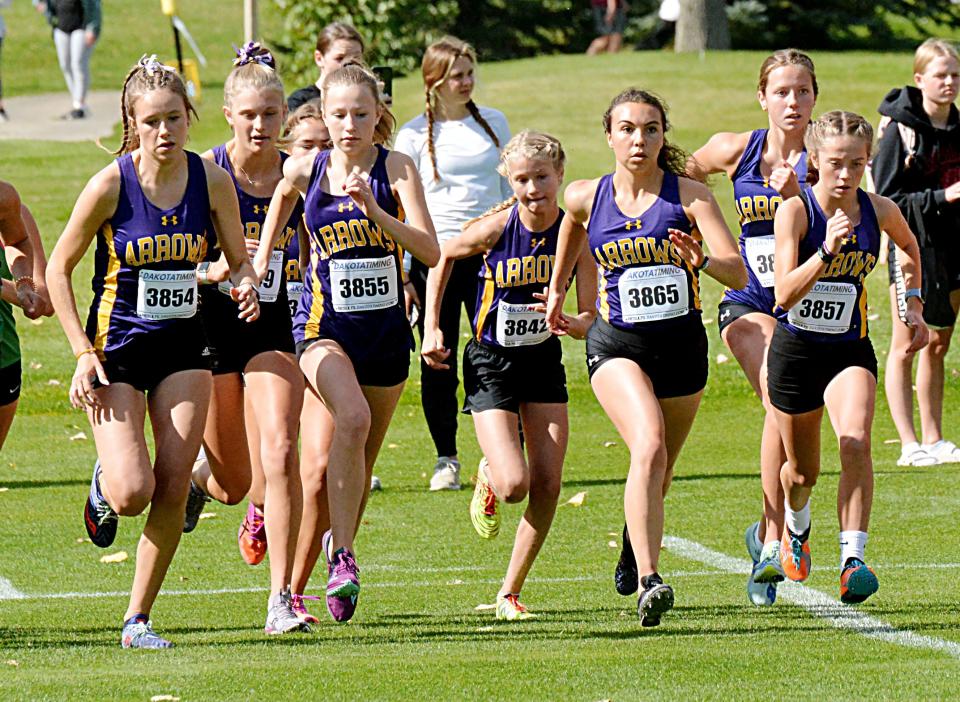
202, 272
825, 254
914, 292
78, 354
706, 263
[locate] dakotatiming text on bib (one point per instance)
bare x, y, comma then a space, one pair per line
167, 294
520, 325
652, 294
363, 284
759, 250
826, 309
294, 293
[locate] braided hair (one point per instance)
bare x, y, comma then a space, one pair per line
148, 74
437, 64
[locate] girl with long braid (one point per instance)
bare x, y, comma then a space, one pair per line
455, 146
154, 212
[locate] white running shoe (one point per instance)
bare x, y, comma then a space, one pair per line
446, 474
752, 540
767, 572
913, 454
762, 594
942, 452
375, 484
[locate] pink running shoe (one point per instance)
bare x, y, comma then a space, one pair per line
252, 537
300, 609
343, 587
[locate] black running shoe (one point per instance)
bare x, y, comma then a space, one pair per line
625, 577
655, 600
195, 502
98, 516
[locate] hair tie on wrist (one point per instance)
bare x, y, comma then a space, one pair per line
84, 352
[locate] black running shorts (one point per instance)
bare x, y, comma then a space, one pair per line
501, 378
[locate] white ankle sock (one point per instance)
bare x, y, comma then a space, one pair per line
799, 521
852, 544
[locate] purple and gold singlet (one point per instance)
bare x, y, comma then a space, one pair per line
146, 259
519, 265
756, 204
253, 213
643, 281
836, 308
352, 291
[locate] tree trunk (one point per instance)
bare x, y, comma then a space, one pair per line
702, 25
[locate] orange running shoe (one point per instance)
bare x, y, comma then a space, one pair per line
252, 537
795, 554
857, 582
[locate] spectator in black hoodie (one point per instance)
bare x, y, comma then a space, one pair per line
917, 165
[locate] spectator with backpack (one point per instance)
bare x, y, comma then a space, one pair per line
917, 165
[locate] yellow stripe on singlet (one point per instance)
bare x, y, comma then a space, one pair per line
312, 328
602, 291
486, 301
695, 286
863, 312
109, 295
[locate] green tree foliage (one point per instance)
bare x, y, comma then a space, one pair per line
825, 24
396, 31
516, 28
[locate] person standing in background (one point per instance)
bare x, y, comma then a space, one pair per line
76, 28
338, 44
610, 19
456, 148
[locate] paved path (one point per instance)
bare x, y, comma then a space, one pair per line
38, 117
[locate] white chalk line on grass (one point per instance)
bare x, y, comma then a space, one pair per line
817, 603
9, 592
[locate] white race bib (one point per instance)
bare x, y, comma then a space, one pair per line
167, 294
364, 284
826, 309
270, 287
520, 325
653, 293
759, 250
294, 293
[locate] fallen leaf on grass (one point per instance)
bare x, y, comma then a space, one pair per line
35, 366
79, 436
455, 582
36, 322
53, 381
485, 628
484, 607
13, 663
873, 317
612, 544
164, 698
613, 533
208, 515
892, 441
707, 321
722, 358
81, 540
118, 557
393, 445
4, 489
955, 373
609, 444
577, 500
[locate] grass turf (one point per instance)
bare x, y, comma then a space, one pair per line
416, 633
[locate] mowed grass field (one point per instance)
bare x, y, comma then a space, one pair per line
417, 633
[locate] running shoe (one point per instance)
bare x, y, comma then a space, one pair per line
195, 502
281, 619
913, 454
484, 507
252, 537
766, 573
343, 587
375, 484
138, 633
98, 516
857, 582
655, 600
625, 577
943, 451
795, 554
510, 608
446, 474
327, 544
300, 609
